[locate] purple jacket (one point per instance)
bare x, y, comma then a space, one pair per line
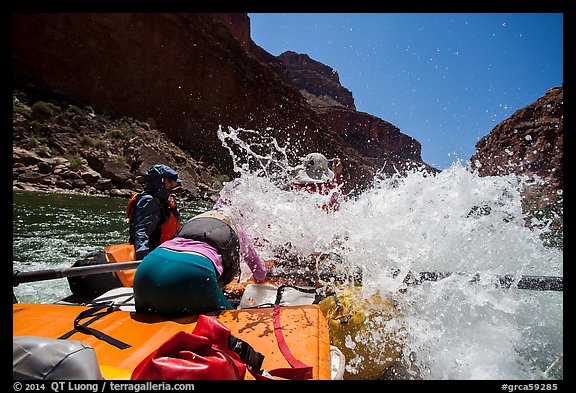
247, 252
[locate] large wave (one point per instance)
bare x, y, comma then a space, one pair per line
465, 326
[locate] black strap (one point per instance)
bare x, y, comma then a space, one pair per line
83, 328
219, 311
231, 362
248, 354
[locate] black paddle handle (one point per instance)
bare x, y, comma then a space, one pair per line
51, 274
535, 283
538, 283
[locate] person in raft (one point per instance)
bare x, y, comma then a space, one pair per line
153, 216
185, 275
318, 174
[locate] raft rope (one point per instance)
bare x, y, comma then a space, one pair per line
298, 370
95, 312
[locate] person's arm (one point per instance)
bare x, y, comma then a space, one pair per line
250, 256
146, 219
337, 169
335, 188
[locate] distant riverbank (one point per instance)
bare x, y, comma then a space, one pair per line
63, 146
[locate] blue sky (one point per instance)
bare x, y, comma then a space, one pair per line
445, 79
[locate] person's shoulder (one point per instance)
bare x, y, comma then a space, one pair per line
146, 200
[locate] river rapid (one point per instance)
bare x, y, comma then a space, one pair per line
454, 221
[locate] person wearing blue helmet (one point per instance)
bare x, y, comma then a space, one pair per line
153, 216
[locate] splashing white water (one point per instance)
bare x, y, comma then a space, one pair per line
454, 221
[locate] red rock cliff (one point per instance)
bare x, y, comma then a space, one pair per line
530, 142
377, 140
185, 72
188, 74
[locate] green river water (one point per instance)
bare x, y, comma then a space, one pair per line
54, 230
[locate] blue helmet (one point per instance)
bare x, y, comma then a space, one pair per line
154, 176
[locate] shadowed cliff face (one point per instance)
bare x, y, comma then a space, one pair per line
185, 73
182, 70
188, 74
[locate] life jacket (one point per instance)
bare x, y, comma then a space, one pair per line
169, 221
172, 224
333, 204
217, 229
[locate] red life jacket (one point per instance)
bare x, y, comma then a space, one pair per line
331, 188
171, 226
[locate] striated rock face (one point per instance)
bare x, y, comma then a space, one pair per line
185, 74
188, 74
377, 140
531, 143
316, 79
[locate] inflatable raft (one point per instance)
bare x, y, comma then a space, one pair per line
303, 327
292, 320
289, 331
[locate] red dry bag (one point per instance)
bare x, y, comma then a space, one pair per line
200, 355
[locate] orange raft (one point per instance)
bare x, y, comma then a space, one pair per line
305, 330
122, 253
